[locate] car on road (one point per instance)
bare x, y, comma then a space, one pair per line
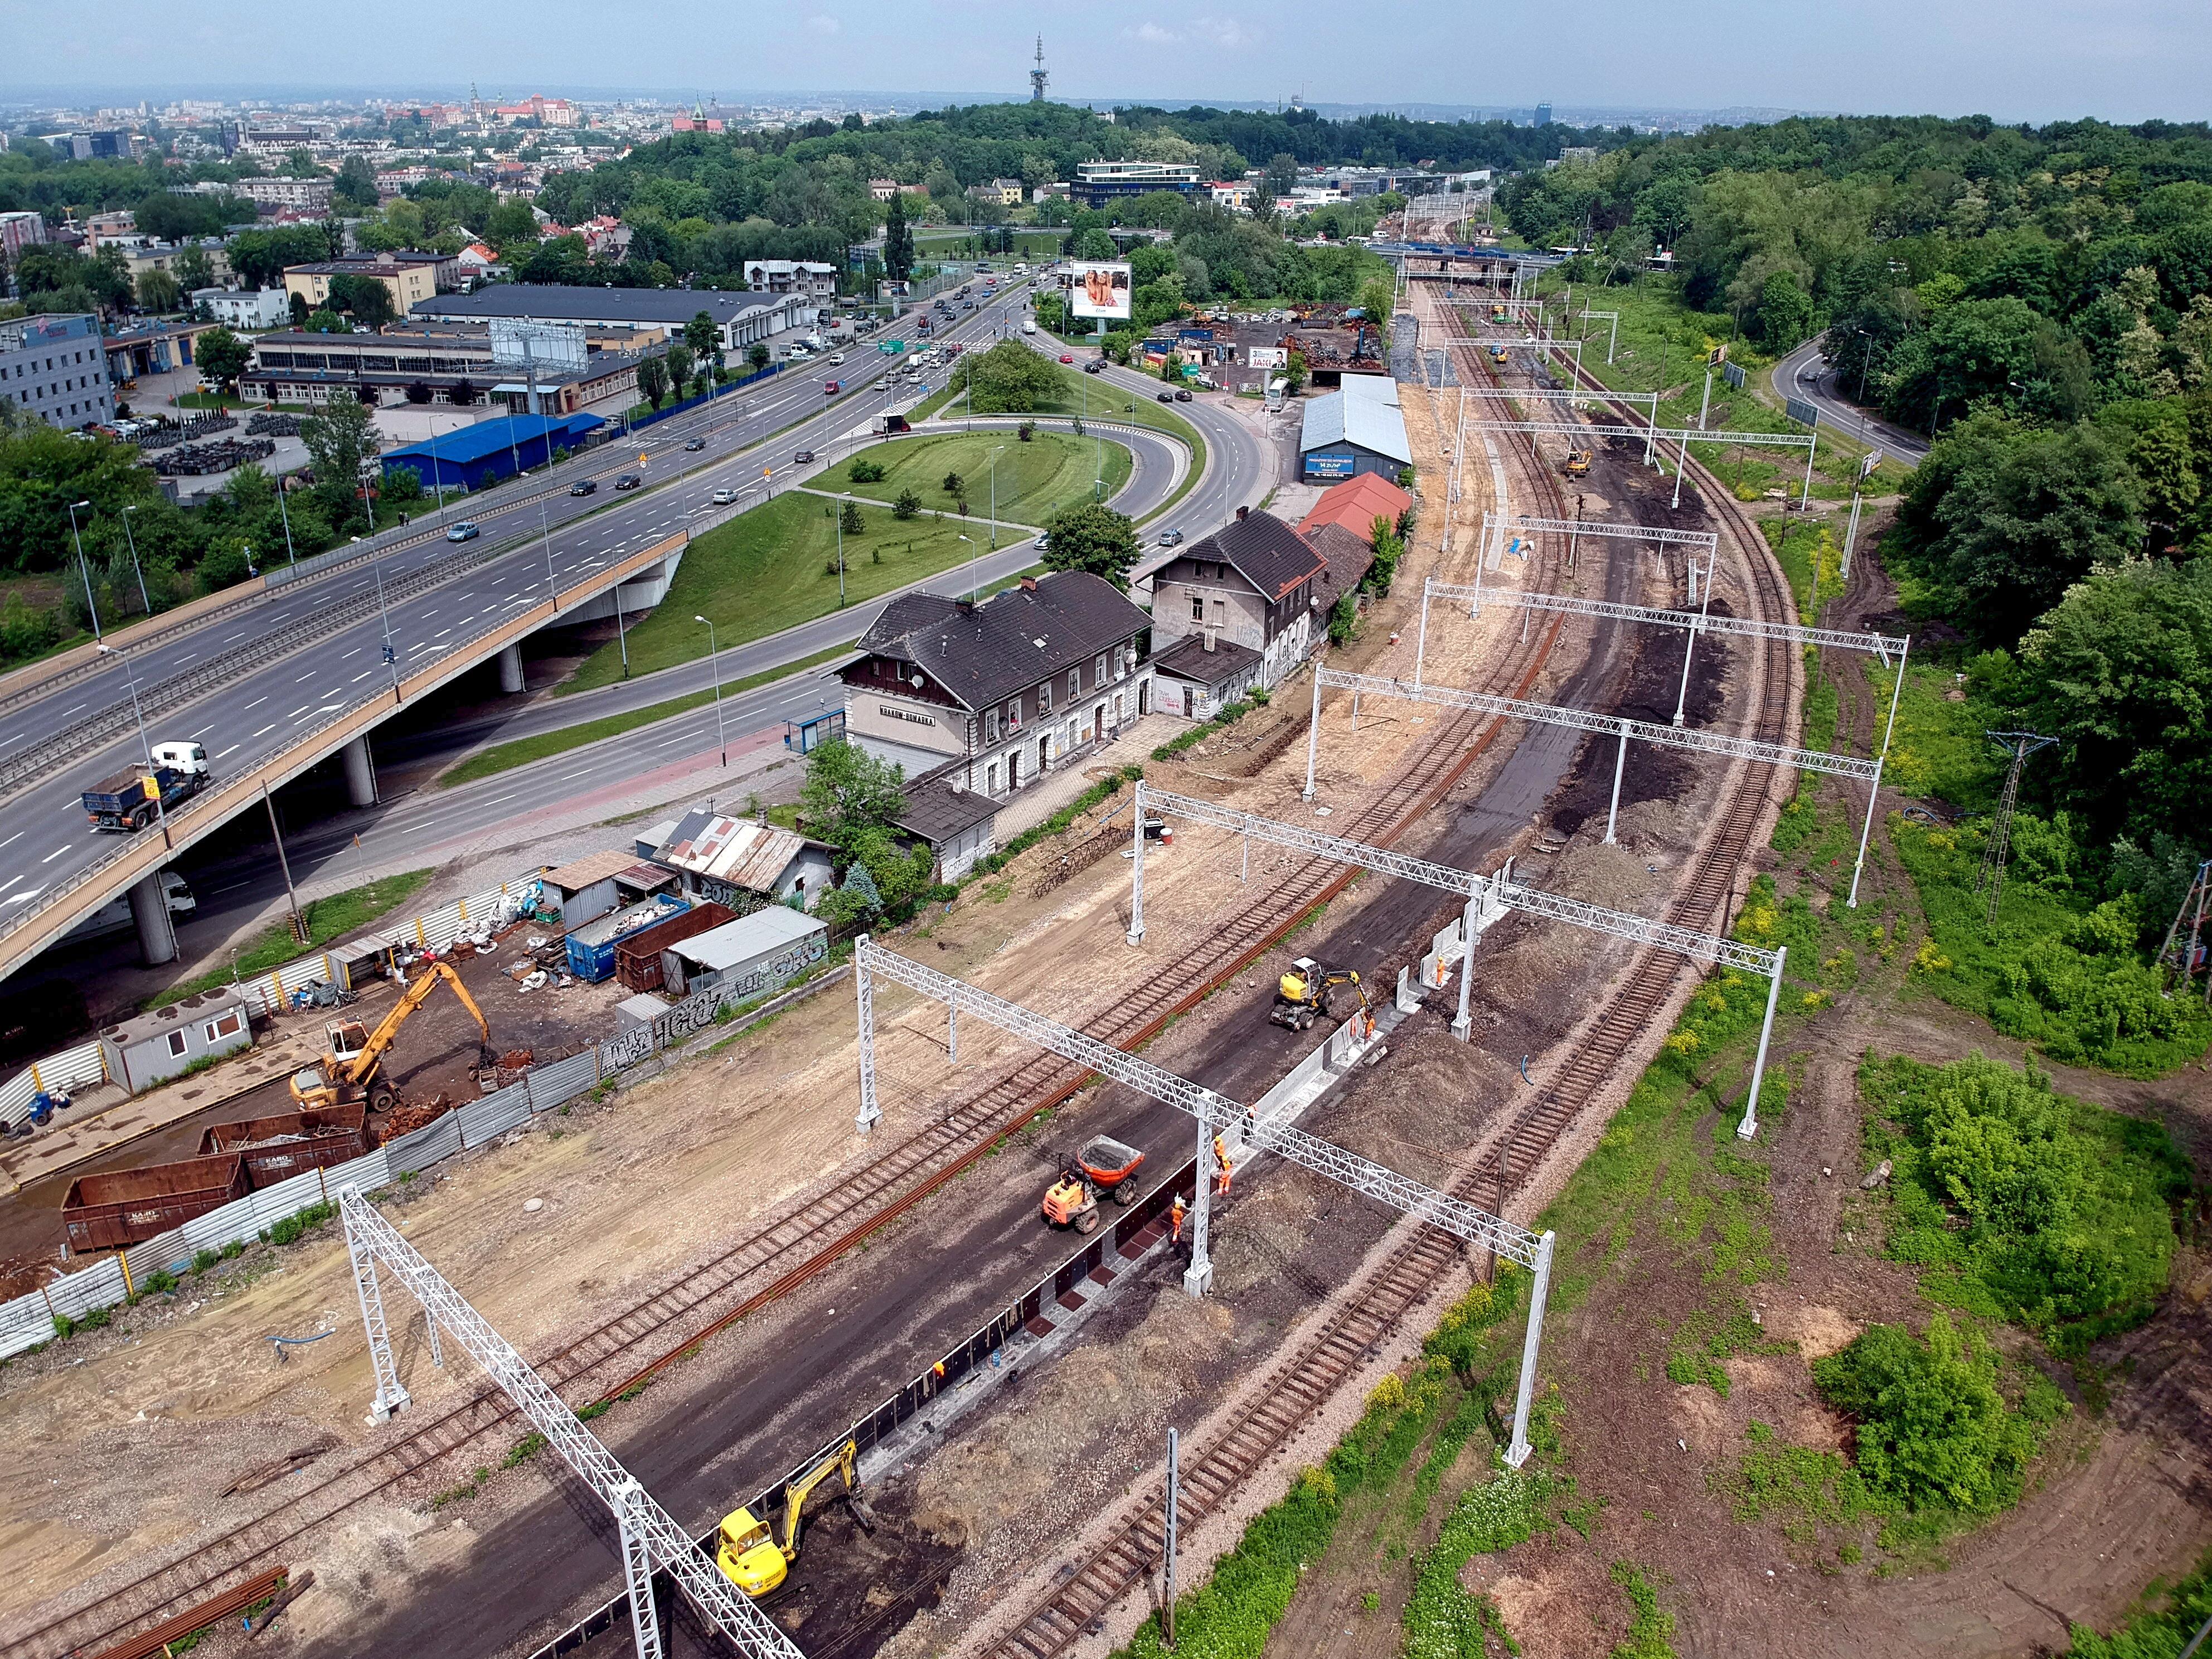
1171, 539
1067, 356
695, 446
585, 487
466, 530
1167, 397
803, 458
1182, 394
723, 497
837, 356
831, 388
628, 481
1095, 366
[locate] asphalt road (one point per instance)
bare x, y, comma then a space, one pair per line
43, 835
1823, 393
896, 1310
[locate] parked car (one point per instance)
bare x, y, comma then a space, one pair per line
1182, 394
466, 530
1171, 539
803, 458
695, 444
585, 487
628, 481
1067, 356
723, 497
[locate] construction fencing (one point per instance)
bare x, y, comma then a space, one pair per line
29, 1321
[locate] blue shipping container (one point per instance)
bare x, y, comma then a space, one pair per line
592, 947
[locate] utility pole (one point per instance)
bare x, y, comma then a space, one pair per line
283, 863
1999, 845
1175, 1481
2180, 949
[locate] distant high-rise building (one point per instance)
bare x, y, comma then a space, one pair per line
1037, 75
1543, 115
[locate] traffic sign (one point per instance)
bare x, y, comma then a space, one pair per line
1801, 411
1717, 355
1873, 461
641, 458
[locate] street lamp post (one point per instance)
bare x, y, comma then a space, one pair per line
714, 656
138, 712
284, 512
140, 569
994, 498
85, 569
390, 655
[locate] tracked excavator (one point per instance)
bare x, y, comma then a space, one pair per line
353, 1071
1302, 994
749, 1552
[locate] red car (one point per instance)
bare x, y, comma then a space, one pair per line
1067, 356
830, 388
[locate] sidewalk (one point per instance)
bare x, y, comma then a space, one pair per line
1068, 779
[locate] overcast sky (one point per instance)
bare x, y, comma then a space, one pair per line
2016, 59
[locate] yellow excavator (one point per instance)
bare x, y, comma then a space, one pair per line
747, 1550
353, 1071
1302, 994
1576, 464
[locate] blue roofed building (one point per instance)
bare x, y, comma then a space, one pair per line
482, 454
1359, 429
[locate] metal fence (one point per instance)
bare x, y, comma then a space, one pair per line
29, 1321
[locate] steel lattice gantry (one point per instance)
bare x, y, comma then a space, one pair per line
651, 1540
1484, 895
1217, 1114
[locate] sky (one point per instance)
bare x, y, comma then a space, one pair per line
2034, 60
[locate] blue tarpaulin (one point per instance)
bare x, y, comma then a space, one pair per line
477, 455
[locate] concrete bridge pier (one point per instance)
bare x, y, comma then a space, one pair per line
157, 932
360, 773
510, 669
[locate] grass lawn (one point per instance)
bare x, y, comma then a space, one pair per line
227, 400
1054, 469
504, 756
326, 918
774, 568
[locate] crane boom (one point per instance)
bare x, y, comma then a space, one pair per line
362, 1065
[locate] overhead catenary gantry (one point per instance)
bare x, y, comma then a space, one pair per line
1217, 1114
1486, 898
650, 1539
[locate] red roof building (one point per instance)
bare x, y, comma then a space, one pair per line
1356, 504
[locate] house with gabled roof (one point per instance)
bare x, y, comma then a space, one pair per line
1234, 613
1011, 688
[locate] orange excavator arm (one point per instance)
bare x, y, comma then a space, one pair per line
359, 1068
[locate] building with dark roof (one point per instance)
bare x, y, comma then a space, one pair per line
1011, 688
958, 824
470, 457
741, 318
1254, 583
1346, 560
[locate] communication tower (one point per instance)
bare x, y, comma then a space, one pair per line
1037, 75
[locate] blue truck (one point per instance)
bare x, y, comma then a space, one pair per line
133, 798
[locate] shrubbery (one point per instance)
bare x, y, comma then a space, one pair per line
2023, 1205
865, 471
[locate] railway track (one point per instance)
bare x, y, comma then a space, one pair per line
1307, 1377
767, 1264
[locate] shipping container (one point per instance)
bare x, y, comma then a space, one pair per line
592, 947
637, 959
278, 1148
120, 1207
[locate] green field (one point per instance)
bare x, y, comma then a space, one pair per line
773, 569
1035, 479
326, 918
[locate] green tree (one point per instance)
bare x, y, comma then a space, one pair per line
909, 504
703, 338
355, 186
299, 309
1282, 172
679, 363
511, 227
1785, 314
2000, 518
1092, 537
157, 292
757, 356
898, 239
652, 380
1975, 351
2121, 671
1294, 373
849, 794
340, 437
1009, 379
850, 521
221, 357
193, 269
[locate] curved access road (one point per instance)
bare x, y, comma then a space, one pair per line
1805, 374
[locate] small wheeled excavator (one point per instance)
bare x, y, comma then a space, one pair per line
1302, 994
1576, 464
1103, 1166
353, 1071
748, 1551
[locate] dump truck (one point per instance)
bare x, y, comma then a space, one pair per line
352, 1073
127, 801
1104, 1165
1302, 994
747, 1550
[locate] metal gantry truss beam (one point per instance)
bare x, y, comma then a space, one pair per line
1217, 1114
651, 1540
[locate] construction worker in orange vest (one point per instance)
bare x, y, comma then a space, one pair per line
1175, 1220
1221, 1159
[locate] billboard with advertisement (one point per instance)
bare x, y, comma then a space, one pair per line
1099, 287
1330, 467
1267, 357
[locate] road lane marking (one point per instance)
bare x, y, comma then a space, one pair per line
255, 704
11, 840
233, 750
28, 893
363, 675
297, 713
66, 712
264, 732
55, 854
356, 652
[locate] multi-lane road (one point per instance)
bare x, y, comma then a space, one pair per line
44, 840
1804, 374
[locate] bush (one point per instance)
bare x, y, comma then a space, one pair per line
1933, 1432
293, 1227
865, 472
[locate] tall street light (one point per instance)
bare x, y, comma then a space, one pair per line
160, 813
284, 512
994, 498
714, 656
76, 537
135, 565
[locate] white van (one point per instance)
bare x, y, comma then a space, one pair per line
1029, 325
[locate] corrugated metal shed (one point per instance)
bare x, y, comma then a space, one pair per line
1364, 413
738, 851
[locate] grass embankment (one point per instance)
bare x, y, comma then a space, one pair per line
1663, 346
1036, 479
774, 568
327, 919
522, 751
